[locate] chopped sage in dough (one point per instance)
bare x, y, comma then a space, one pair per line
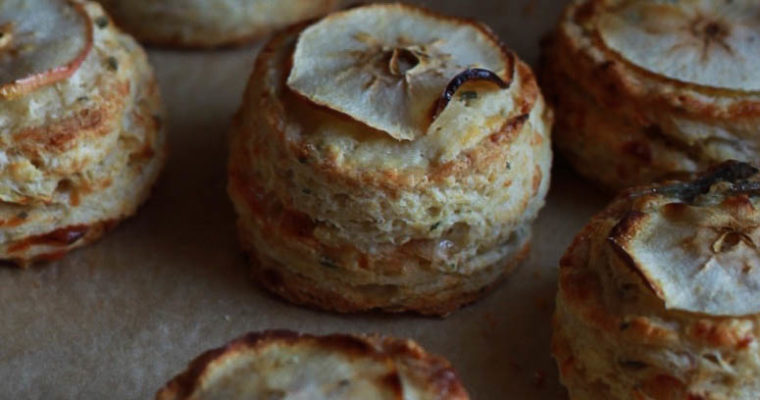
113, 64
101, 21
328, 262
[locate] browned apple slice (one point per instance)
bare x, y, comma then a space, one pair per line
698, 250
386, 65
41, 42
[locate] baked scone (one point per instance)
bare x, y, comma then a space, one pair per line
81, 140
387, 157
287, 365
209, 23
647, 90
659, 296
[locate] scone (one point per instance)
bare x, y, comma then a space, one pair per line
287, 365
209, 23
387, 157
647, 90
81, 137
659, 296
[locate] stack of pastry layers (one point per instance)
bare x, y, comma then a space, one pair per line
647, 90
658, 294
347, 204
81, 153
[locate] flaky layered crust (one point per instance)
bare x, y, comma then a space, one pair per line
282, 363
340, 216
82, 154
210, 23
620, 124
620, 332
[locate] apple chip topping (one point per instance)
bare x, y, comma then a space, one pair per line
388, 65
714, 43
697, 247
41, 42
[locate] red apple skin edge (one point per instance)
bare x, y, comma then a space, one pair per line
32, 82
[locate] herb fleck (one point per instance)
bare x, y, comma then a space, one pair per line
468, 96
113, 64
306, 191
435, 226
83, 98
328, 262
158, 121
632, 364
303, 160
469, 74
22, 215
509, 165
101, 21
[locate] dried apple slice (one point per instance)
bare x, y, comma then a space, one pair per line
41, 42
386, 65
704, 42
700, 258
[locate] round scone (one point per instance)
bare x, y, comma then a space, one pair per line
81, 141
647, 90
287, 365
387, 157
659, 296
209, 23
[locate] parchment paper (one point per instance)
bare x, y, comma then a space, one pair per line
118, 319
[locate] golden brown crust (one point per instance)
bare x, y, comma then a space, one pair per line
301, 290
62, 240
434, 374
